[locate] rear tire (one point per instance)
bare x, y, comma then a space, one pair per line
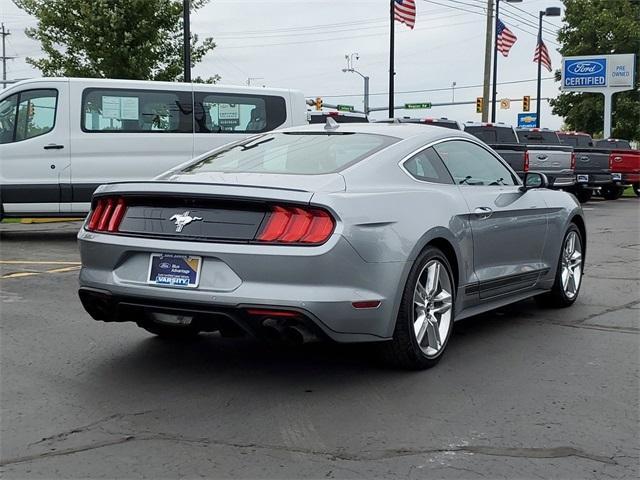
170, 332
612, 192
570, 269
584, 195
426, 315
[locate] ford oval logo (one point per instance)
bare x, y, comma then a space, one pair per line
585, 68
164, 265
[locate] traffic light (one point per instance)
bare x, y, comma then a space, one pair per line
30, 109
526, 103
479, 104
318, 103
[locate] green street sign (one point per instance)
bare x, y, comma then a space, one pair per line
345, 108
416, 106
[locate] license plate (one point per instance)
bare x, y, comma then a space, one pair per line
616, 176
583, 178
172, 270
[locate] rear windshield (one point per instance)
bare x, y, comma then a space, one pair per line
614, 144
538, 138
575, 140
338, 119
493, 134
300, 153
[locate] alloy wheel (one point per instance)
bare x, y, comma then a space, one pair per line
432, 302
571, 265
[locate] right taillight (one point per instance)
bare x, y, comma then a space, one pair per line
107, 215
291, 225
526, 161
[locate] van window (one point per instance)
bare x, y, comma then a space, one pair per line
141, 111
238, 113
27, 114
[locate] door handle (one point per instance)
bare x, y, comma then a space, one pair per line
483, 212
53, 146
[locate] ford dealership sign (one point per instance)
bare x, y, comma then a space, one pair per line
598, 72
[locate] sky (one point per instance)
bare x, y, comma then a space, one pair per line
301, 44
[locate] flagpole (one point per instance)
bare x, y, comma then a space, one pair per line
495, 65
391, 54
539, 48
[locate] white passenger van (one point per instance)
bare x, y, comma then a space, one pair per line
62, 137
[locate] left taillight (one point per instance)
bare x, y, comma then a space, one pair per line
573, 160
296, 225
107, 214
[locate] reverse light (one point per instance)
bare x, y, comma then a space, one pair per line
297, 225
107, 215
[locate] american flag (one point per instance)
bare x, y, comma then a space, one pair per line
505, 38
543, 54
404, 11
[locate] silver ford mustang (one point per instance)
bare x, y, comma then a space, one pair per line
355, 233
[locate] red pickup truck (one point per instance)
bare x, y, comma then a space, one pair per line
625, 163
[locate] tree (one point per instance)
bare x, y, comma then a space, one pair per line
601, 27
130, 39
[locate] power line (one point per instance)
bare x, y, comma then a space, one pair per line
442, 89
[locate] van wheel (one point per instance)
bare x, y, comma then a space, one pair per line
568, 280
425, 319
584, 195
612, 192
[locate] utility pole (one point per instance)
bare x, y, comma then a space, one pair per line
487, 62
187, 40
4, 34
392, 71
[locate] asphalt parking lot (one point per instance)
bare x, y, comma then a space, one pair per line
521, 393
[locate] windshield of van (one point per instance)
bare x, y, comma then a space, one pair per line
301, 153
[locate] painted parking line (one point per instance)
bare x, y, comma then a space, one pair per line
35, 262
68, 267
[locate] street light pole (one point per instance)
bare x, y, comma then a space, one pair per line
350, 68
453, 92
187, 40
549, 12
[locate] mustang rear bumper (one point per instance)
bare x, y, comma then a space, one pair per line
319, 282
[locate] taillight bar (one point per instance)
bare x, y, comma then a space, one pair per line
573, 160
526, 161
107, 215
291, 225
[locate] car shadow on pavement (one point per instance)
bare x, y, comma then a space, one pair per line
246, 360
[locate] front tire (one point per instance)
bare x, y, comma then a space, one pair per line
425, 318
568, 279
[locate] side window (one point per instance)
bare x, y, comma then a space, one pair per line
36, 113
427, 166
470, 164
238, 113
8, 118
27, 114
130, 110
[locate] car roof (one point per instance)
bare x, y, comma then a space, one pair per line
398, 130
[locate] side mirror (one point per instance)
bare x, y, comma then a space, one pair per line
534, 180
